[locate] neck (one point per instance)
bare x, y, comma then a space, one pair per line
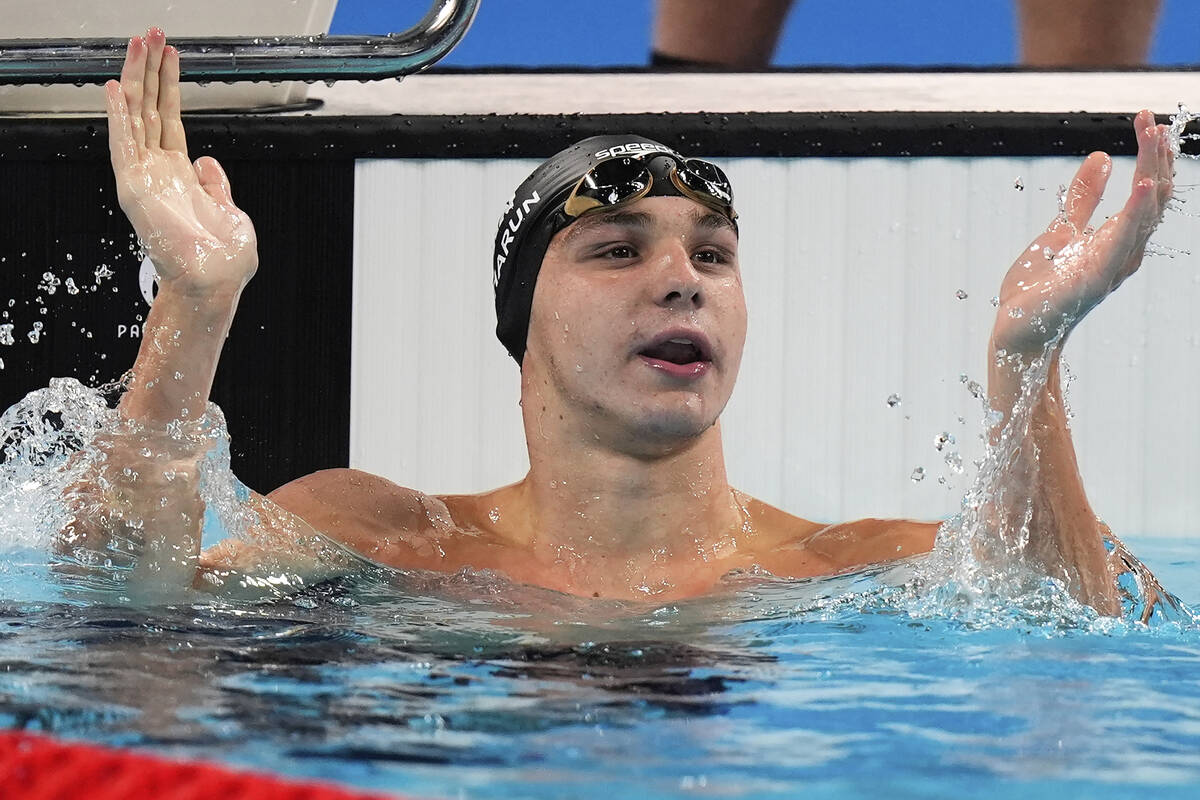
613, 520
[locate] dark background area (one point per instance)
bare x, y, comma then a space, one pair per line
284, 380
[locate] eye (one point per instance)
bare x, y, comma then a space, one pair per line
618, 252
711, 255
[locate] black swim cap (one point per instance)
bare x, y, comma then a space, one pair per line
533, 217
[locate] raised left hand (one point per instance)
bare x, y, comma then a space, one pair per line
1070, 268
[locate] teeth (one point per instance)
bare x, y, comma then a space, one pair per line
680, 341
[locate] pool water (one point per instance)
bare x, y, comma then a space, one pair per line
465, 686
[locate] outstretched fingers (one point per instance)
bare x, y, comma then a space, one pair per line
121, 147
1148, 138
1086, 190
133, 75
1082, 198
1166, 166
168, 104
155, 42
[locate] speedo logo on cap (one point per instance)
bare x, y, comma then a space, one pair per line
632, 148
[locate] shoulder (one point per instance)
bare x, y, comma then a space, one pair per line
360, 509
804, 547
872, 541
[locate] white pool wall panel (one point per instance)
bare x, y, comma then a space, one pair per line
851, 268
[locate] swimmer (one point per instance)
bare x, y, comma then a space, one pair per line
619, 296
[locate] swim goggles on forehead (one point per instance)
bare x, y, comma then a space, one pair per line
625, 179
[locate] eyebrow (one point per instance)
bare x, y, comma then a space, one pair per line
712, 221
625, 219
705, 220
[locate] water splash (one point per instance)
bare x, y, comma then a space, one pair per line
1177, 132
984, 571
78, 483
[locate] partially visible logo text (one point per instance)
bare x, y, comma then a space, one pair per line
633, 149
514, 216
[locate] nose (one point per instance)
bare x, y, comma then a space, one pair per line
677, 282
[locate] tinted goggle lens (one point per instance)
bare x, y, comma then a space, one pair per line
622, 180
618, 180
703, 178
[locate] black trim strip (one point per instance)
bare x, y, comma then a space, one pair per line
323, 138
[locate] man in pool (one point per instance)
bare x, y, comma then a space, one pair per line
619, 294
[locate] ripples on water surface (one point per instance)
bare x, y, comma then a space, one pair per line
775, 689
467, 687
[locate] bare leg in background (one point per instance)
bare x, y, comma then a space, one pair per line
1053, 33
740, 35
1086, 33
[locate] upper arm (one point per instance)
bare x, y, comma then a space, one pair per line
872, 541
362, 511
295, 523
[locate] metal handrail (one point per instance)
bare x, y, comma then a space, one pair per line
247, 58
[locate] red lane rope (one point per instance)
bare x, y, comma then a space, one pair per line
36, 767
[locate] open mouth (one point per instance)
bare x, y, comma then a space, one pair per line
681, 355
676, 351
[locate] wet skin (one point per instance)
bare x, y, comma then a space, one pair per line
635, 339
627, 494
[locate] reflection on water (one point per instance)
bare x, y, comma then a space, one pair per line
774, 685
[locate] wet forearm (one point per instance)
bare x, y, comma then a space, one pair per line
141, 498
1065, 539
174, 371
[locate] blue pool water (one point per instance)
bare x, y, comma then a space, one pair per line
467, 687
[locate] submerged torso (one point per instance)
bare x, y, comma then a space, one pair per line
401, 528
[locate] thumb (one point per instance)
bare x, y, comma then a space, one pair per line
213, 179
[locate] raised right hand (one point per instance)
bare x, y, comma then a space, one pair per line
201, 243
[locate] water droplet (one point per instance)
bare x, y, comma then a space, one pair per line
995, 301
50, 283
1048, 254
1015, 312
6, 334
893, 400
975, 389
494, 515
960, 294
917, 475
1018, 184
942, 439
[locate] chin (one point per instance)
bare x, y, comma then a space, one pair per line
666, 427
